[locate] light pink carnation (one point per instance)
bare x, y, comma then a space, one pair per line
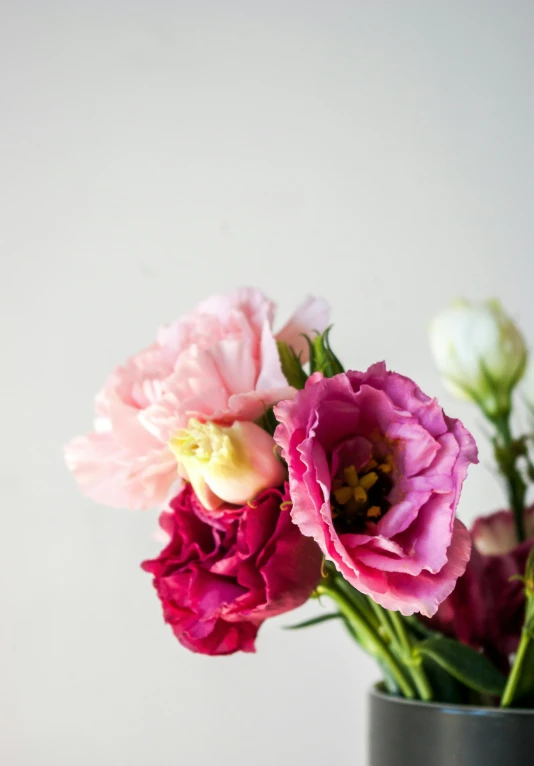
375, 470
218, 364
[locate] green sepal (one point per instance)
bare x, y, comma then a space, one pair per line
464, 663
336, 364
291, 365
322, 358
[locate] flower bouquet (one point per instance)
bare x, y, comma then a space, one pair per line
284, 477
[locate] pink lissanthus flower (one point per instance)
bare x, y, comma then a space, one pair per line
218, 364
375, 471
222, 575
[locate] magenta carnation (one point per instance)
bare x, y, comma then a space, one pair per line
376, 469
222, 574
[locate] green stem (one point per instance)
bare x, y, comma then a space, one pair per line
515, 485
402, 634
361, 626
515, 674
415, 665
382, 616
361, 603
527, 636
395, 629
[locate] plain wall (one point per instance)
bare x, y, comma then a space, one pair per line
376, 153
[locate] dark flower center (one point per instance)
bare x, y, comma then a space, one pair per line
361, 496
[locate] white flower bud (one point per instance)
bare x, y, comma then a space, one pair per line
479, 352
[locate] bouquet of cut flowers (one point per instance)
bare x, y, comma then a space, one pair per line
282, 477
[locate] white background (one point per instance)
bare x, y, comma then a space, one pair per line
377, 153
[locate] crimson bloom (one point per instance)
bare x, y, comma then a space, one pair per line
375, 471
487, 608
223, 573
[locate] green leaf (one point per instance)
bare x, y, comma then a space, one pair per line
445, 688
314, 621
291, 366
464, 663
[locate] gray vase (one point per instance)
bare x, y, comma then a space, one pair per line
404, 733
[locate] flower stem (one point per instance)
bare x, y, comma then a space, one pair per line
507, 461
383, 618
515, 674
394, 628
527, 638
361, 626
414, 664
402, 634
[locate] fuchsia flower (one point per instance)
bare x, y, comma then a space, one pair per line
223, 574
376, 469
218, 364
486, 609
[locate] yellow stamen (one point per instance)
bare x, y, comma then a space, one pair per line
351, 476
343, 495
286, 505
360, 495
369, 480
385, 467
372, 464
324, 573
373, 512
252, 505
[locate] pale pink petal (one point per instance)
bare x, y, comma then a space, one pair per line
310, 318
109, 475
270, 375
255, 404
247, 300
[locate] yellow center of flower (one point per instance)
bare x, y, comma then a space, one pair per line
361, 496
205, 443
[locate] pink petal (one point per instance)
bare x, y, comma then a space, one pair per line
310, 318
